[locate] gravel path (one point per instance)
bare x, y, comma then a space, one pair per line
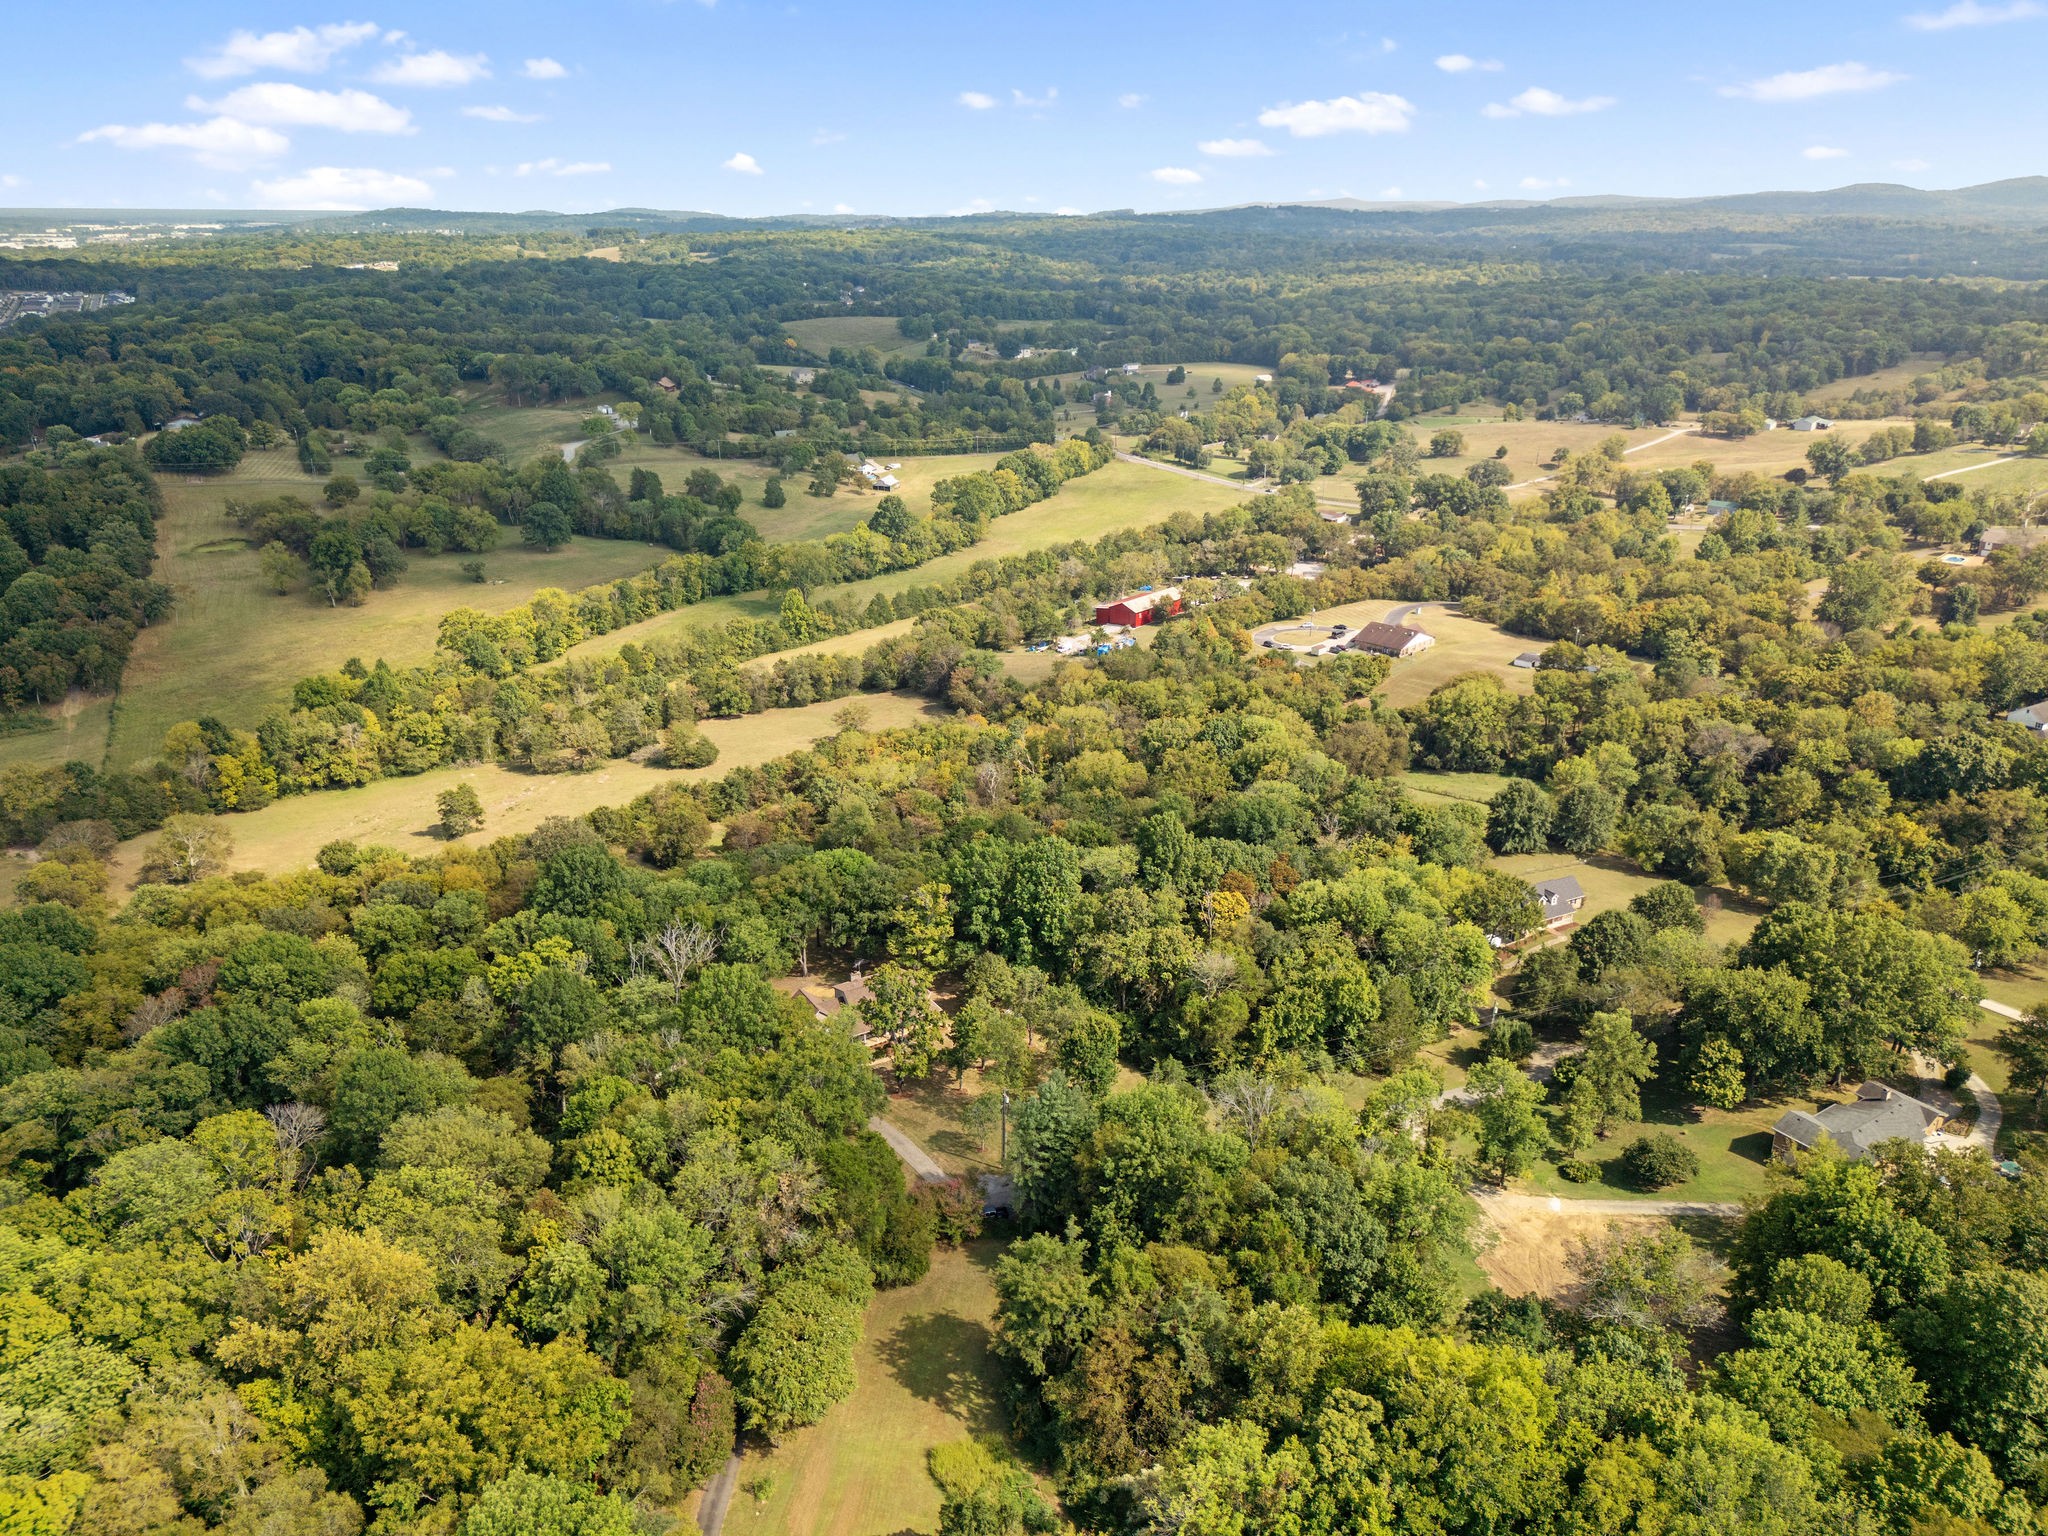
718, 1496
915, 1158
1609, 1207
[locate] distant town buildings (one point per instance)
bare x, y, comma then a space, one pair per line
23, 303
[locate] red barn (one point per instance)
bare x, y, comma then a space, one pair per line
1140, 608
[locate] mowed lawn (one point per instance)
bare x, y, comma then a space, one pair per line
400, 813
926, 1375
1611, 882
1462, 646
232, 648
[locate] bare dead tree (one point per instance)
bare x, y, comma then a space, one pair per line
297, 1126
152, 1011
677, 952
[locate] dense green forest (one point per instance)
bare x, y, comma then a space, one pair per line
504, 1186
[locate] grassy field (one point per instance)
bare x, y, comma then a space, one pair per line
72, 731
925, 1376
1610, 882
400, 812
232, 648
1116, 496
1898, 376
526, 430
1733, 1146
877, 331
1766, 453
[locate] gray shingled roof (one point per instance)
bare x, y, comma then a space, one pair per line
1876, 1114
1556, 896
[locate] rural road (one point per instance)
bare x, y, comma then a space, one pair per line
915, 1158
1400, 614
569, 450
1964, 469
717, 1496
1610, 1207
1520, 485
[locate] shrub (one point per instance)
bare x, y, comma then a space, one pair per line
1658, 1161
1510, 1038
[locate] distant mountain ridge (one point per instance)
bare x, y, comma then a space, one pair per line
2017, 200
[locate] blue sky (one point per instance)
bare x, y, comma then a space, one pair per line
912, 107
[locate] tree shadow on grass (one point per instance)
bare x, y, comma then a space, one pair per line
946, 1361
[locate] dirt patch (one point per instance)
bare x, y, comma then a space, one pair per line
1526, 1249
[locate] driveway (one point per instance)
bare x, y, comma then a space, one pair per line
1556, 1203
1520, 485
915, 1158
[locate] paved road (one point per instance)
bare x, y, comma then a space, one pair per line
1556, 1203
1966, 468
1400, 614
915, 1158
718, 1496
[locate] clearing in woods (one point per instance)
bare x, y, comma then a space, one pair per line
925, 1376
1462, 646
232, 648
878, 331
400, 813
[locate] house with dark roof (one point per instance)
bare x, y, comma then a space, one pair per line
1877, 1114
1560, 900
1390, 639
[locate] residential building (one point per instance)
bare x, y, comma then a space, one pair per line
2033, 716
1390, 639
1528, 659
828, 999
2018, 540
1150, 606
1560, 901
1811, 424
1877, 1114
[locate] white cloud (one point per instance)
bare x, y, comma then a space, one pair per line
974, 205
1130, 101
1911, 163
977, 101
1824, 152
1805, 84
826, 136
1234, 149
1538, 102
1544, 183
283, 105
222, 142
1067, 213
1176, 175
842, 207
1970, 13
1367, 112
1391, 194
553, 167
1459, 63
1052, 94
334, 186
744, 163
1479, 182
1388, 45
303, 50
542, 69
435, 69
10, 180
501, 115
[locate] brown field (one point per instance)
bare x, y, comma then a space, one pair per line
1526, 1250
400, 813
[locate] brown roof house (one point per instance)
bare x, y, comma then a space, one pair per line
828, 999
1876, 1114
1390, 639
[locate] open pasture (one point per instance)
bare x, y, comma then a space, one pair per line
400, 813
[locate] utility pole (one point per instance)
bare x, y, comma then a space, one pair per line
1003, 1120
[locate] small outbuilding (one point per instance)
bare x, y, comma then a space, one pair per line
1811, 424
